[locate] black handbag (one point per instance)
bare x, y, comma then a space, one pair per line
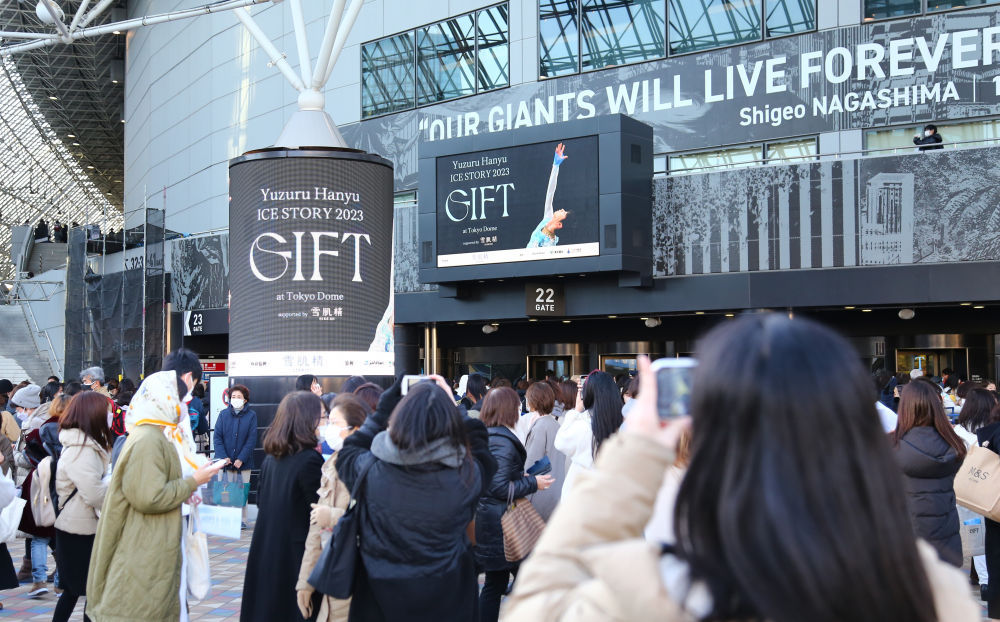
338, 563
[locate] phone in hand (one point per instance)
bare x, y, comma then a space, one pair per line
542, 466
410, 380
673, 386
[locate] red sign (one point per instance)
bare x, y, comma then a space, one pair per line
214, 367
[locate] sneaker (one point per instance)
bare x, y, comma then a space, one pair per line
244, 526
58, 590
51, 577
37, 590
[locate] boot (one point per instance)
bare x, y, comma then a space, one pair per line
24, 574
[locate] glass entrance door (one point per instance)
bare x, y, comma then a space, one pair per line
541, 366
933, 360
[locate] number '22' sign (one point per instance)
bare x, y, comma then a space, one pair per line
545, 300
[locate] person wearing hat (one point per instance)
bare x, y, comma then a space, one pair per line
8, 424
931, 138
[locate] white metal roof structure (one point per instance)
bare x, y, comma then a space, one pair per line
40, 178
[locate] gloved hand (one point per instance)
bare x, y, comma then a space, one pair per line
558, 158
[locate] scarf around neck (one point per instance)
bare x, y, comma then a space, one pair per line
156, 403
441, 451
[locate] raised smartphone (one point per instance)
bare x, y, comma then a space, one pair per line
409, 381
673, 386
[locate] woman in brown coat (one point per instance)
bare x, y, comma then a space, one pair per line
764, 529
347, 414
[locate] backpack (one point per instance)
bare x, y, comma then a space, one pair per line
44, 498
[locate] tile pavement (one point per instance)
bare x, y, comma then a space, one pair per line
228, 563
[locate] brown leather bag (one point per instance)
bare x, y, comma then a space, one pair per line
522, 527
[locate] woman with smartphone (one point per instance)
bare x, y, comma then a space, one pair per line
500, 411
783, 515
540, 443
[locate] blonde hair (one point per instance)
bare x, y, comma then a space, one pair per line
59, 406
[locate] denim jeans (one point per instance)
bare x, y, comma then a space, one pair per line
39, 557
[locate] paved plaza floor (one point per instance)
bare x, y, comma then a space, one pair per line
228, 563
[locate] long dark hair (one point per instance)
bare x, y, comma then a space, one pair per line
919, 406
426, 414
791, 514
294, 426
977, 411
604, 403
88, 412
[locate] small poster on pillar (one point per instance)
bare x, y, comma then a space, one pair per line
310, 243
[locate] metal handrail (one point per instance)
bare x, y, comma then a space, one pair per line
10, 290
821, 156
53, 359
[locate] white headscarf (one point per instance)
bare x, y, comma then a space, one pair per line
156, 403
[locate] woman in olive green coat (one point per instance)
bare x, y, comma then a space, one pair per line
135, 569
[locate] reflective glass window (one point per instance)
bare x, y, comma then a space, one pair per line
558, 36
703, 24
934, 5
785, 17
387, 75
616, 32
880, 9
708, 161
954, 135
792, 151
446, 59
493, 64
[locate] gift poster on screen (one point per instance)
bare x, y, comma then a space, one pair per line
310, 265
525, 203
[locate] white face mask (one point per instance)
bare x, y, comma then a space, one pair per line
321, 432
237, 404
332, 437
927, 132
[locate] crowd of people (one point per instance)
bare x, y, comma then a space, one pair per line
751, 508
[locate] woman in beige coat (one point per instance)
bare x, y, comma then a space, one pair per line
768, 526
347, 414
81, 486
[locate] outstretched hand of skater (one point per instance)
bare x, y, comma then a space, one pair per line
559, 157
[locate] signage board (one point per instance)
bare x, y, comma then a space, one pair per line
544, 300
213, 367
206, 322
310, 247
526, 203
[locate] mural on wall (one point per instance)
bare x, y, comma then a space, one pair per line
932, 207
200, 272
907, 71
406, 262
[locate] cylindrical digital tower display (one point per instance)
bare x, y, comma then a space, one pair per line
310, 255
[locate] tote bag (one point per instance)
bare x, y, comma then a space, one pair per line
977, 484
338, 563
522, 527
199, 576
10, 516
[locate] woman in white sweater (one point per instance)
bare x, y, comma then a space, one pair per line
598, 415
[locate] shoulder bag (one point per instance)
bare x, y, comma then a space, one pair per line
522, 527
337, 566
199, 575
977, 484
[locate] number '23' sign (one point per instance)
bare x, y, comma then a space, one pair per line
544, 300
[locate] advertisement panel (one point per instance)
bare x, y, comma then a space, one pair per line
526, 203
909, 71
310, 240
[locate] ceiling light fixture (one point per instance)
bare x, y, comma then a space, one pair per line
730, 315
53, 97
489, 329
866, 310
965, 304
849, 308
979, 307
653, 322
906, 314
566, 321
611, 317
71, 135
699, 313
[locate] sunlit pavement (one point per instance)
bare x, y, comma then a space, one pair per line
228, 564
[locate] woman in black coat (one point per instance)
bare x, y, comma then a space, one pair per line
423, 478
289, 481
930, 453
500, 411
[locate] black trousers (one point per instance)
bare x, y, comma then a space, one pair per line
993, 565
73, 560
492, 593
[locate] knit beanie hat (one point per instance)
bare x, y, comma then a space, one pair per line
28, 397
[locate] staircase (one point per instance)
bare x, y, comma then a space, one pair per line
47, 256
19, 356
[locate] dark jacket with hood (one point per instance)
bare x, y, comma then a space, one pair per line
236, 436
417, 562
929, 142
510, 455
929, 465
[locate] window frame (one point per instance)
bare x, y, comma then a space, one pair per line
666, 39
475, 64
924, 11
941, 125
762, 146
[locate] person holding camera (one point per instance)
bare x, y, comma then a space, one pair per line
782, 515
